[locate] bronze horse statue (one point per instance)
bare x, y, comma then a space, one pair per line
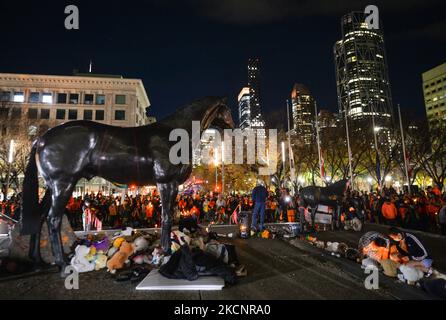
331, 195
132, 155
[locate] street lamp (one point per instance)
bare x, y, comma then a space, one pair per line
10, 160
283, 154
369, 180
388, 178
216, 167
222, 167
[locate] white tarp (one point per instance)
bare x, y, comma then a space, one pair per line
155, 281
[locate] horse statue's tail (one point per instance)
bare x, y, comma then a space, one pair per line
30, 197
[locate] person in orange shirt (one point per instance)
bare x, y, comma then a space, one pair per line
182, 204
149, 212
389, 212
195, 213
378, 249
403, 211
432, 208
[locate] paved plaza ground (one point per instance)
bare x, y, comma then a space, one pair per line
276, 270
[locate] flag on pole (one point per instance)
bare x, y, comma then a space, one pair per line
378, 167
292, 168
322, 167
409, 167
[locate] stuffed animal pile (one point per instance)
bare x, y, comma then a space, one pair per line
121, 257
99, 251
126, 248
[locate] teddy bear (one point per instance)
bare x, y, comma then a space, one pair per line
79, 262
121, 257
117, 242
91, 256
142, 259
112, 251
157, 256
332, 246
410, 274
101, 261
140, 244
102, 244
390, 267
369, 263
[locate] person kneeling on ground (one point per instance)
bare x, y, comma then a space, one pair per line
378, 249
410, 246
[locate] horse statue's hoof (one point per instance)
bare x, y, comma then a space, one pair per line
41, 266
62, 270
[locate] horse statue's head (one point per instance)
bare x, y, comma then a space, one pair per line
210, 111
343, 185
218, 114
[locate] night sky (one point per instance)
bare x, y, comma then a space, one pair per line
188, 49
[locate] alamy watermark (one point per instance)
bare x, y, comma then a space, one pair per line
254, 141
371, 282
72, 278
72, 20
372, 18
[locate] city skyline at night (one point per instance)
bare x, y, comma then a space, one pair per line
208, 54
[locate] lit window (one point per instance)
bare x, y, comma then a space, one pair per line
47, 97
19, 97
356, 110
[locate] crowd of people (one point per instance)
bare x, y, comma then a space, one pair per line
422, 210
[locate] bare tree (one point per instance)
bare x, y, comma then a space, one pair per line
431, 155
13, 127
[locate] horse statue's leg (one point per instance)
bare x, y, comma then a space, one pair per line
338, 217
34, 250
168, 192
34, 243
313, 216
61, 193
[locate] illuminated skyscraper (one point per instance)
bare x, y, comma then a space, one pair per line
254, 86
302, 106
250, 115
434, 89
362, 77
244, 108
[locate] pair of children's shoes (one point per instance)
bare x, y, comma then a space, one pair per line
135, 275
